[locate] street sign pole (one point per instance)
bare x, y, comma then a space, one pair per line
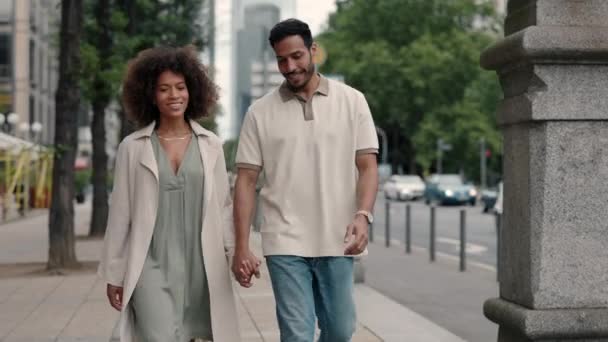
439, 155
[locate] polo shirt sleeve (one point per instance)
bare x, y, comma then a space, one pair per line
367, 139
249, 151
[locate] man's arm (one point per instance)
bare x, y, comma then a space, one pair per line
367, 185
367, 188
244, 263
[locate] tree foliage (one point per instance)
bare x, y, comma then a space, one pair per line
417, 61
114, 31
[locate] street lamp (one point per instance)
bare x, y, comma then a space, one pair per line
12, 119
36, 127
36, 130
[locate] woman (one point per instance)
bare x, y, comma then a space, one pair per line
170, 221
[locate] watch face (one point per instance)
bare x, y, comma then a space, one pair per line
368, 216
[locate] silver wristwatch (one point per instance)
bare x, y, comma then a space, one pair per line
368, 216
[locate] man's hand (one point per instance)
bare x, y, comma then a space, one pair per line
114, 294
244, 265
356, 236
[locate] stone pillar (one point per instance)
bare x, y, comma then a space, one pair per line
553, 67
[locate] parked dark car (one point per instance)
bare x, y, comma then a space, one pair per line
449, 189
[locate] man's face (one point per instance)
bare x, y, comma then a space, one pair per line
295, 61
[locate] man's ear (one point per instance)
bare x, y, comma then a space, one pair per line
313, 49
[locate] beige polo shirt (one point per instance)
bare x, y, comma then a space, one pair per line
307, 151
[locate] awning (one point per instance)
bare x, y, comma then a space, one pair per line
9, 142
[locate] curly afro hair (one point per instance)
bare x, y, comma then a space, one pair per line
138, 88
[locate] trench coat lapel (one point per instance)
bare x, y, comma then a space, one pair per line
147, 158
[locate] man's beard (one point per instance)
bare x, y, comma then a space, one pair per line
310, 71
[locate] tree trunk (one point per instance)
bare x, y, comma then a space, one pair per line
67, 104
99, 215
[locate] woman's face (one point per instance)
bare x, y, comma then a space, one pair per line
171, 95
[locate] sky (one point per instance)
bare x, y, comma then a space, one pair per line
313, 12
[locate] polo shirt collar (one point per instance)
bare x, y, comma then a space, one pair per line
287, 94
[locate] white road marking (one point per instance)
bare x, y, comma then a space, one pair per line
450, 257
470, 247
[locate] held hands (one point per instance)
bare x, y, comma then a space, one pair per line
356, 236
244, 266
114, 294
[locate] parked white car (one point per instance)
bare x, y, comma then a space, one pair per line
404, 187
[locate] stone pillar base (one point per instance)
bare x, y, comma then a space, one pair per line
520, 324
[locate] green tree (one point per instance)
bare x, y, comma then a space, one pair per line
463, 125
67, 105
413, 59
102, 68
114, 31
159, 22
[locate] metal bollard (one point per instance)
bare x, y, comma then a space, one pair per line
408, 229
387, 233
463, 241
432, 237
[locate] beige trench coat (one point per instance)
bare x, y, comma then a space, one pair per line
132, 216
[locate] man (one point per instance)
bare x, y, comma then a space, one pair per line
315, 140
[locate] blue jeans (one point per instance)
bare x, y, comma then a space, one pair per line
305, 287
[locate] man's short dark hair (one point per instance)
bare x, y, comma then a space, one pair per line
290, 27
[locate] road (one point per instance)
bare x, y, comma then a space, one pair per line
480, 229
437, 290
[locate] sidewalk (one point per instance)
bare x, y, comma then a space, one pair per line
37, 307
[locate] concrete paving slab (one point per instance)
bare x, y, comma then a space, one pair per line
402, 324
56, 310
17, 308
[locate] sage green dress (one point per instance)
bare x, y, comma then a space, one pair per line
171, 299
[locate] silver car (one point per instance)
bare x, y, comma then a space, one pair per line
404, 187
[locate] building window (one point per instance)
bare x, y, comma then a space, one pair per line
31, 116
33, 15
5, 56
41, 112
50, 68
6, 11
41, 71
33, 63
